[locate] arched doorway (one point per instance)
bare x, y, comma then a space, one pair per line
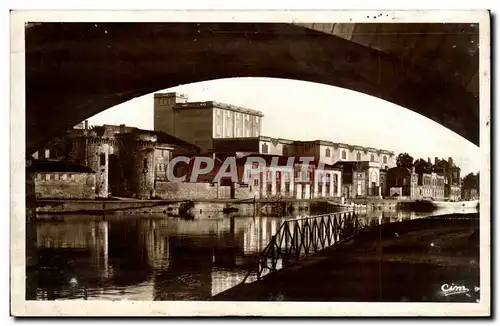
116, 181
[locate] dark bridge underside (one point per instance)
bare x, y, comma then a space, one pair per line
76, 70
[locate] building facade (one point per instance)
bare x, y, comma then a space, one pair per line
430, 186
402, 182
201, 122
359, 179
452, 180
288, 177
61, 180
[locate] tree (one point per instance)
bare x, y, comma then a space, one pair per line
404, 160
422, 166
471, 181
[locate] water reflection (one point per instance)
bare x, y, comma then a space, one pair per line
153, 258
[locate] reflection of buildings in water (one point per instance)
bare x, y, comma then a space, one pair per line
259, 233
90, 238
201, 227
155, 244
188, 276
73, 250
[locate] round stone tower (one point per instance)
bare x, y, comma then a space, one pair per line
97, 158
143, 165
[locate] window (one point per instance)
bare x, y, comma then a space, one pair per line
247, 117
372, 158
385, 159
228, 114
35, 155
327, 152
56, 177
256, 119
255, 182
63, 176
217, 112
264, 148
102, 159
47, 177
285, 150
358, 156
47, 153
344, 155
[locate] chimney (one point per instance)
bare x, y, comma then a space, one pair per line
86, 125
429, 160
436, 160
122, 129
450, 160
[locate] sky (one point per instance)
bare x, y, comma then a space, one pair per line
302, 110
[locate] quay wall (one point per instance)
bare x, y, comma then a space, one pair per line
190, 191
75, 206
198, 191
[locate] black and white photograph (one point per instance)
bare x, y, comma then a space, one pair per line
216, 163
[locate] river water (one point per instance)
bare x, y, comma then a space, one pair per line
153, 258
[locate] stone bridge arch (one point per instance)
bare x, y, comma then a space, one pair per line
76, 70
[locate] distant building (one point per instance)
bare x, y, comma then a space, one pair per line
295, 180
470, 194
452, 180
330, 153
201, 122
63, 180
402, 182
240, 146
430, 186
359, 179
384, 190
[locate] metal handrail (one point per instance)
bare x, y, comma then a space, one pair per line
301, 237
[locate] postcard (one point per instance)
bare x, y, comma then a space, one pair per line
250, 163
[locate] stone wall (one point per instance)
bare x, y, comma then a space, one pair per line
190, 191
65, 185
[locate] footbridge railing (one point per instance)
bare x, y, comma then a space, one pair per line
302, 237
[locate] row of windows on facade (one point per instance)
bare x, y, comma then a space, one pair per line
358, 156
286, 176
269, 188
46, 154
265, 149
237, 115
237, 133
55, 176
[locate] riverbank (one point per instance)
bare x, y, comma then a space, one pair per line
404, 261
171, 207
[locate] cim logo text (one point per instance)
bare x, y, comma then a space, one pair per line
453, 289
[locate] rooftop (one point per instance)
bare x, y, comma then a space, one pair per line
214, 104
162, 137
58, 166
